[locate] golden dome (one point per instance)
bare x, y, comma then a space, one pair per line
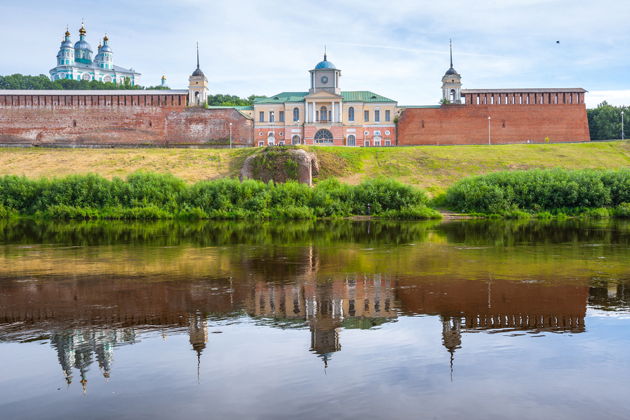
82, 31
105, 38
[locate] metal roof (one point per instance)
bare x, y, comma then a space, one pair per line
60, 92
348, 96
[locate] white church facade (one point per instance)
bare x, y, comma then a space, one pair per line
76, 62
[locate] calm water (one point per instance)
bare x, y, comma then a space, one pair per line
476, 320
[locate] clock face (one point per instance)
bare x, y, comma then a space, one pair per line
324, 79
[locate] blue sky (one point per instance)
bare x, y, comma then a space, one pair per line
396, 48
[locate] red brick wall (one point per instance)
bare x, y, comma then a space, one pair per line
468, 124
109, 122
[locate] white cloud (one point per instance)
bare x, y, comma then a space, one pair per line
613, 97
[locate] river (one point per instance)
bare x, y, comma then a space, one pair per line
330, 319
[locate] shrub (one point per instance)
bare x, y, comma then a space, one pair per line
622, 211
412, 213
146, 196
539, 190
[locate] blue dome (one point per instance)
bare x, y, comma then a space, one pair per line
106, 48
82, 45
325, 65
66, 44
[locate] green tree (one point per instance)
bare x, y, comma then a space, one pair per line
605, 121
41, 82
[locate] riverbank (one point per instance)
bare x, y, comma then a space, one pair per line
433, 168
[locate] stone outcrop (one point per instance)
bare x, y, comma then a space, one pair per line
280, 164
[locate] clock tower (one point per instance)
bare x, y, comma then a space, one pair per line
325, 78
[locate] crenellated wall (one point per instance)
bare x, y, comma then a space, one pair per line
116, 118
513, 123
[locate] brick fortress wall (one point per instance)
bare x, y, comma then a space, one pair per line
116, 119
531, 117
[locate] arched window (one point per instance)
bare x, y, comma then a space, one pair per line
453, 96
351, 113
323, 136
352, 140
296, 114
323, 114
295, 139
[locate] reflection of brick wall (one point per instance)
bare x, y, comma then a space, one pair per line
117, 120
498, 303
468, 124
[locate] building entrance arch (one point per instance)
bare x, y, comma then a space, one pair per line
323, 136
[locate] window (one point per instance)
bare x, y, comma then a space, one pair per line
377, 115
388, 115
377, 132
281, 143
281, 116
261, 117
323, 136
323, 113
296, 114
366, 143
272, 117
261, 143
366, 116
295, 139
352, 140
351, 113
388, 142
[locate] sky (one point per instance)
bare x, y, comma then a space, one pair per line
398, 49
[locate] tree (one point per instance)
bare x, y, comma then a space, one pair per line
605, 121
20, 81
231, 100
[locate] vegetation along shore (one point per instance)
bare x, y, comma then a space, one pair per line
143, 196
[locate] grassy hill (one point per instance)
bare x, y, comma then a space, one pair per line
430, 167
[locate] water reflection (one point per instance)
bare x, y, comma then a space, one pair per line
87, 289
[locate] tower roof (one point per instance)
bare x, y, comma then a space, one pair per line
106, 47
451, 71
325, 64
198, 71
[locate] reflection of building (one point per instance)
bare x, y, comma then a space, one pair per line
352, 301
77, 349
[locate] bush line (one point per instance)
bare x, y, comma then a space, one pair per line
151, 196
543, 194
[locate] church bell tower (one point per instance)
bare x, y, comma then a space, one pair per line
197, 86
451, 83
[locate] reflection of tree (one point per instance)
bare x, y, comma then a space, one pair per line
213, 233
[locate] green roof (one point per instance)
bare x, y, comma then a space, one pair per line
350, 96
420, 106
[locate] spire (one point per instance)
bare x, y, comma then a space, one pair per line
325, 59
67, 31
450, 44
197, 55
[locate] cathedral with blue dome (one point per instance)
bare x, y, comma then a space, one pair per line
76, 62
